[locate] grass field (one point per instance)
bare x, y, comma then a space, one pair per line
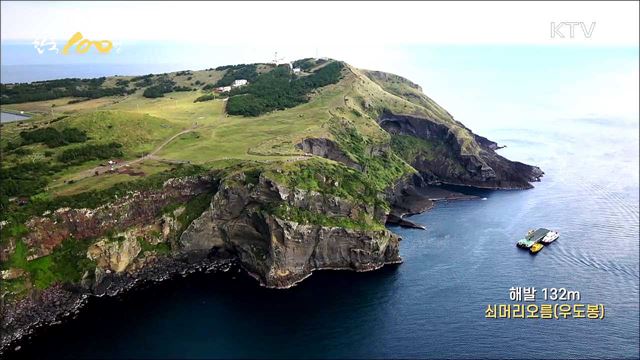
61, 106
176, 107
175, 128
61, 186
265, 137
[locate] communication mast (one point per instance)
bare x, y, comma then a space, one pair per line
277, 60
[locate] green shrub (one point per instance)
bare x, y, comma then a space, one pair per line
207, 97
55, 89
237, 72
91, 152
52, 137
22, 151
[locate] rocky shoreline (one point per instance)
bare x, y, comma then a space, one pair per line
417, 199
61, 302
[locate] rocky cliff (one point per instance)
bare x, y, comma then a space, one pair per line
448, 163
280, 252
144, 237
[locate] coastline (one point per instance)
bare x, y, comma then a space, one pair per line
423, 199
60, 303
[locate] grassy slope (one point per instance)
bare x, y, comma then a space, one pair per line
141, 124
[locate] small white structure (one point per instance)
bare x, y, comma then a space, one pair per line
296, 70
239, 82
223, 89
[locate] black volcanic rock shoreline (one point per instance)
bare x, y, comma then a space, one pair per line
61, 302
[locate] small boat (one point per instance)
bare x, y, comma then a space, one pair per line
550, 237
535, 248
525, 243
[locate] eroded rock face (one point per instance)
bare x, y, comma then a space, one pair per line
297, 250
486, 169
11, 273
279, 253
328, 150
140, 208
114, 255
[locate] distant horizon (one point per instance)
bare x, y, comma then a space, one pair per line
479, 84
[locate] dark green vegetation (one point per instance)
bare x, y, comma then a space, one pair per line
54, 89
411, 148
380, 170
307, 63
207, 97
52, 137
193, 209
161, 248
78, 155
18, 214
66, 264
330, 178
162, 87
68, 261
304, 216
24, 179
143, 81
279, 89
236, 72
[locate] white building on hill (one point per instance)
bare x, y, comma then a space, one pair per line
239, 82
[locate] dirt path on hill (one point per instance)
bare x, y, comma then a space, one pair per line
99, 170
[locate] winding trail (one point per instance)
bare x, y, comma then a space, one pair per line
99, 170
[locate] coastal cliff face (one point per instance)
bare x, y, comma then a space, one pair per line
144, 237
483, 168
280, 252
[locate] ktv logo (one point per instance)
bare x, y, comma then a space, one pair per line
77, 42
559, 30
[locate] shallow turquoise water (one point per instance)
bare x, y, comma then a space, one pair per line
433, 304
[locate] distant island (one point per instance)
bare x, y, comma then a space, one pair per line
279, 169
